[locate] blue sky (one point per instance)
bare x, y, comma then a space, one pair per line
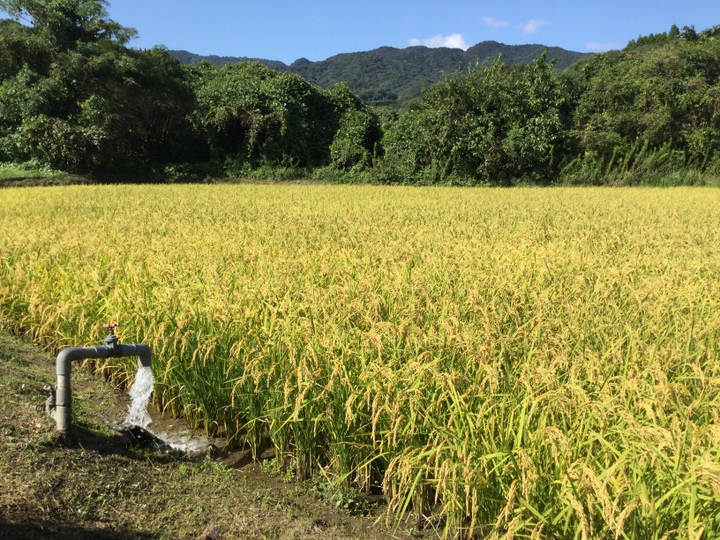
317, 29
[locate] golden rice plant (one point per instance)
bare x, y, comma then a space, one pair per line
521, 363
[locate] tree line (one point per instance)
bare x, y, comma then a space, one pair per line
75, 97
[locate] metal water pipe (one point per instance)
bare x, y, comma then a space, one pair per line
111, 349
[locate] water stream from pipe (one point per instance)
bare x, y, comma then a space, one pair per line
139, 394
174, 435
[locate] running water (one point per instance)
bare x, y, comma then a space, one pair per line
139, 394
184, 440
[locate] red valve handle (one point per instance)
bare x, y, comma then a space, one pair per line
110, 325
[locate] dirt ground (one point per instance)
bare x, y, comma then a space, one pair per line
106, 486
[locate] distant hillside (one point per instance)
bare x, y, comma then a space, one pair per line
193, 59
396, 75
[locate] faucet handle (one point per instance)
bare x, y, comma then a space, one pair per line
111, 339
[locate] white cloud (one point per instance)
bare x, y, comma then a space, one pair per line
454, 41
494, 23
532, 25
596, 46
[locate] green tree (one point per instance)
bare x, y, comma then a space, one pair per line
254, 115
74, 97
66, 22
356, 140
652, 107
19, 47
495, 124
689, 33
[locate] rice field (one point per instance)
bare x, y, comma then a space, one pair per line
522, 363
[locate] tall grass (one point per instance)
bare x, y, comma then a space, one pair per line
534, 363
643, 166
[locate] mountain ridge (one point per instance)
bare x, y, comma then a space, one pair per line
396, 75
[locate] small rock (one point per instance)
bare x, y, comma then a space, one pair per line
211, 532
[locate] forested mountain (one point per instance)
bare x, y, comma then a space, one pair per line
388, 74
192, 59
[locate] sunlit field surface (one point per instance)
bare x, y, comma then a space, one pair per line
522, 362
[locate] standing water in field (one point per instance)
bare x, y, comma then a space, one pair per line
139, 394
